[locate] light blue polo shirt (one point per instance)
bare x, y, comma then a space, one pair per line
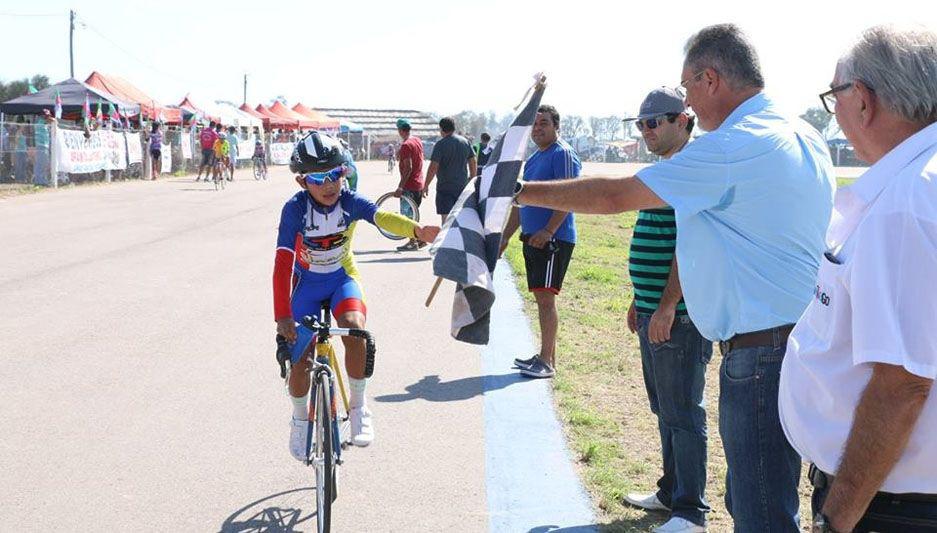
753, 200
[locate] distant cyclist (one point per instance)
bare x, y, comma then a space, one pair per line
314, 263
260, 155
220, 157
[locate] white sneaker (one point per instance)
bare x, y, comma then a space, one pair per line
646, 501
679, 525
362, 432
298, 431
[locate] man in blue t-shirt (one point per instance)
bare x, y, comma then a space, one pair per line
548, 235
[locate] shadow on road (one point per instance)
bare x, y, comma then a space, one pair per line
396, 260
642, 524
266, 516
199, 190
374, 252
431, 389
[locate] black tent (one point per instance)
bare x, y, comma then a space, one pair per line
73, 93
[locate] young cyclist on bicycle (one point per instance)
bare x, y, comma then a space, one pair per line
314, 263
260, 155
221, 155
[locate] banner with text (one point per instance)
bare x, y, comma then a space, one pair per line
134, 148
104, 150
246, 148
186, 145
165, 155
280, 153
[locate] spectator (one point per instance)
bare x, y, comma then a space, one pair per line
41, 174
673, 353
752, 201
411, 176
548, 235
156, 147
206, 140
484, 152
855, 395
232, 150
453, 161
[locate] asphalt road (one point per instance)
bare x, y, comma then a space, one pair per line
139, 391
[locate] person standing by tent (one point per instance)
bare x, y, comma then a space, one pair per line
206, 140
156, 149
232, 150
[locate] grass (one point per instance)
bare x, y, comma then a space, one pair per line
599, 387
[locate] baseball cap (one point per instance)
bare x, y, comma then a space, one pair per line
402, 123
660, 101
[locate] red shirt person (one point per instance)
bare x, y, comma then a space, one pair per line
411, 175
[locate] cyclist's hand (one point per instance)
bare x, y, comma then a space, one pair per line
398, 193
658, 329
632, 318
540, 239
287, 328
426, 233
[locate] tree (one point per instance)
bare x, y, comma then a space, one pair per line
605, 129
817, 117
573, 126
16, 88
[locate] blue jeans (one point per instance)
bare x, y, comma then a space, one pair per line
888, 513
763, 469
674, 376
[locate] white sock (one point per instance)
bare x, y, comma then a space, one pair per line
300, 407
357, 387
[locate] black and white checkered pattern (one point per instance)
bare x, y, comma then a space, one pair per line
466, 249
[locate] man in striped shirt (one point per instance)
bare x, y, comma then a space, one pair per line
673, 352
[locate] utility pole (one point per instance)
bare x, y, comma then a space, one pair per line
71, 42
245, 88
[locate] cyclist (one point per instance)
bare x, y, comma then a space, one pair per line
221, 157
260, 155
314, 263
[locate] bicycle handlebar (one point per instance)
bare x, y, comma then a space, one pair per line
284, 353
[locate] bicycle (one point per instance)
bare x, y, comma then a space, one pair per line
328, 429
391, 162
217, 177
260, 169
408, 208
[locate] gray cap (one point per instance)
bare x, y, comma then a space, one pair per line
659, 102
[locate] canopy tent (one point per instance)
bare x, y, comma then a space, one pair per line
273, 120
189, 110
237, 117
323, 121
123, 89
279, 109
73, 94
350, 127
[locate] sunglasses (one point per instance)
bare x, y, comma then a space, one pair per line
653, 123
319, 178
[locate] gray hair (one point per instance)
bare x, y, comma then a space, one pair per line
900, 65
728, 50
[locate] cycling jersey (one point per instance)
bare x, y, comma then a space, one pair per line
221, 148
314, 243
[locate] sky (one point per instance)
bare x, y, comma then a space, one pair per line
600, 58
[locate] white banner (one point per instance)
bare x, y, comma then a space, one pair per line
166, 158
134, 149
104, 150
280, 153
115, 150
246, 148
186, 145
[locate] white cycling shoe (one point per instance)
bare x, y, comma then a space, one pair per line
362, 430
298, 431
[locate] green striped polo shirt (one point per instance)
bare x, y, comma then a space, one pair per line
652, 249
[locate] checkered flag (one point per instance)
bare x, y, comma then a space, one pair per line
466, 249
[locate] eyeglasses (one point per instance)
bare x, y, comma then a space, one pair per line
653, 123
681, 88
332, 176
829, 97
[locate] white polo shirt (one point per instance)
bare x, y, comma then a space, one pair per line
875, 302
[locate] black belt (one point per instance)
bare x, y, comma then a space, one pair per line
822, 480
765, 337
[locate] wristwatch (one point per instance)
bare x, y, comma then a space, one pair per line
821, 524
518, 187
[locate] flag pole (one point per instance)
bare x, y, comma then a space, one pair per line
432, 292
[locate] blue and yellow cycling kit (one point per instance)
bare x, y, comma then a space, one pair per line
314, 259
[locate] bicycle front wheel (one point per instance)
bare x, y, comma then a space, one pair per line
257, 171
323, 456
408, 208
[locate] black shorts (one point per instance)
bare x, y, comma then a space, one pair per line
445, 201
155, 153
416, 196
546, 267
208, 157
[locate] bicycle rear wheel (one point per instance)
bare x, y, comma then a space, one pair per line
257, 171
408, 208
323, 456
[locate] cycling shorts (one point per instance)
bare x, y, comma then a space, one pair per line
340, 289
